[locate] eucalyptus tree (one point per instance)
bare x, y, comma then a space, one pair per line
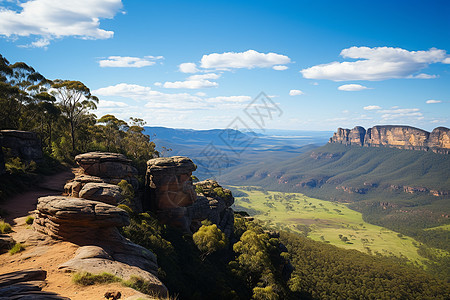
75, 101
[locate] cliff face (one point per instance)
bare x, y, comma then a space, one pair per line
402, 137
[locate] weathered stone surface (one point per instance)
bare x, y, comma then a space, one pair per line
22, 276
402, 137
23, 144
6, 242
440, 140
168, 183
102, 192
96, 260
25, 284
104, 164
75, 218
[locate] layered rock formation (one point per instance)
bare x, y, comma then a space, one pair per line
99, 176
171, 195
23, 144
402, 137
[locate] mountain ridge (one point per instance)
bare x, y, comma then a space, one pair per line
395, 136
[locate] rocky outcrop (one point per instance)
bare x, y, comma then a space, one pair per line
26, 284
23, 144
96, 260
100, 172
102, 192
349, 137
171, 195
76, 219
401, 137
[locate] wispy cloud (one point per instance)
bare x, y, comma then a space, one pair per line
377, 63
433, 101
129, 61
372, 107
50, 19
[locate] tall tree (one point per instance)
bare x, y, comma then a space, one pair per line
75, 101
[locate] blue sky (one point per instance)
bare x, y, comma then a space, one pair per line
199, 64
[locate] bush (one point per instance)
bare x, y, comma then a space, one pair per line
209, 239
5, 227
85, 278
29, 220
127, 191
18, 247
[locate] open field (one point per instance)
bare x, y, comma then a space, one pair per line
326, 221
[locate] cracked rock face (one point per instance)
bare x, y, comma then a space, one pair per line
23, 144
102, 192
104, 164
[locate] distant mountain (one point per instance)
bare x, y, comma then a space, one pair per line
404, 190
394, 136
217, 151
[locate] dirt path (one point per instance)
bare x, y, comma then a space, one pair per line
23, 204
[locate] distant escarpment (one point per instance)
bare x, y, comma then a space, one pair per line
394, 136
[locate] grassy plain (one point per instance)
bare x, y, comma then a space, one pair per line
326, 221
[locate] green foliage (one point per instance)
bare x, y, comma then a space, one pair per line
209, 239
127, 191
266, 293
140, 285
5, 227
85, 278
18, 247
29, 220
326, 272
126, 208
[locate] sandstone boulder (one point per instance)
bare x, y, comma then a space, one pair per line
23, 144
102, 192
75, 218
104, 164
96, 260
6, 242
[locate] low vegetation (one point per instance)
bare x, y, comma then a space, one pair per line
5, 227
29, 220
18, 247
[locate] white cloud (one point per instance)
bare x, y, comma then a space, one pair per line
433, 101
372, 107
204, 76
109, 104
401, 113
295, 92
50, 19
422, 76
249, 59
188, 68
352, 87
158, 84
128, 61
446, 60
280, 68
201, 94
232, 99
190, 84
377, 63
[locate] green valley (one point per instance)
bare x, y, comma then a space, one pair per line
326, 221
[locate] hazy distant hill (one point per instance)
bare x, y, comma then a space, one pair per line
217, 151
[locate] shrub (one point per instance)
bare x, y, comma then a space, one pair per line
29, 220
18, 247
126, 208
5, 227
127, 191
209, 239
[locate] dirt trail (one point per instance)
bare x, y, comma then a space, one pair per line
48, 255
21, 205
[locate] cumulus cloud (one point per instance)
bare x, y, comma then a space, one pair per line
249, 59
446, 60
377, 63
372, 107
433, 101
110, 104
295, 92
188, 68
232, 99
50, 19
128, 61
352, 87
